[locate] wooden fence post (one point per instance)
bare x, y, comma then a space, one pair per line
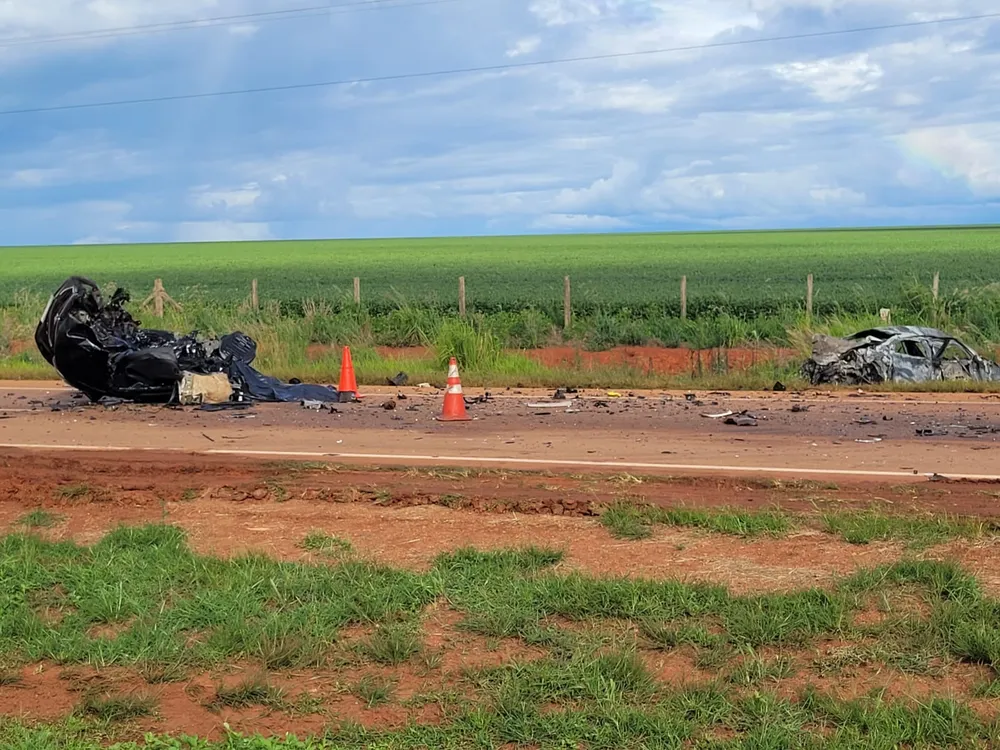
461, 296
357, 291
567, 305
684, 297
254, 300
158, 298
809, 296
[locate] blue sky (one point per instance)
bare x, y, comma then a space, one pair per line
890, 127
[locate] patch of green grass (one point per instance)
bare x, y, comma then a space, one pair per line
253, 691
392, 644
116, 708
373, 691
905, 659
669, 637
632, 521
246, 607
754, 670
989, 689
918, 532
39, 519
320, 541
627, 522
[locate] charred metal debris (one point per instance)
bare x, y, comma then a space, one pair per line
901, 354
100, 349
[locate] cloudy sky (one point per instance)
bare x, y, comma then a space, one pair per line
897, 126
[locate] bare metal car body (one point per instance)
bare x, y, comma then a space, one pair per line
902, 354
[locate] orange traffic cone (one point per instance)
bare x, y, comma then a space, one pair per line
348, 387
454, 401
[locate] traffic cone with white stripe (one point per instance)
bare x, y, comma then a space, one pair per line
454, 401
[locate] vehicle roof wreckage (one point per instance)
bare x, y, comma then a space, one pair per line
100, 349
902, 354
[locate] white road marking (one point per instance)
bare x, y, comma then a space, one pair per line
388, 457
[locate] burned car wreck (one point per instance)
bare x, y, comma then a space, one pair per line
100, 349
907, 354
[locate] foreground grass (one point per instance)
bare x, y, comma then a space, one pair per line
591, 687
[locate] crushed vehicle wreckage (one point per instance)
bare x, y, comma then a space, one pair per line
902, 354
101, 350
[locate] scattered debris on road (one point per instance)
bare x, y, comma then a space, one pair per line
743, 419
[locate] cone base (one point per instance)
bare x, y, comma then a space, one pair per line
452, 419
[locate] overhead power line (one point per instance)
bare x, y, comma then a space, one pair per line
201, 23
493, 68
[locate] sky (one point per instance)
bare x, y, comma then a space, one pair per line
892, 127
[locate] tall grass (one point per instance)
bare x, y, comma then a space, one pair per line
303, 339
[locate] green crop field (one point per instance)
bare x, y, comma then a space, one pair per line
744, 273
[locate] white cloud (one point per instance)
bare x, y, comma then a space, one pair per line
245, 30
607, 190
969, 153
836, 195
562, 12
68, 160
525, 46
834, 79
96, 239
578, 222
221, 231
34, 177
639, 96
906, 99
206, 197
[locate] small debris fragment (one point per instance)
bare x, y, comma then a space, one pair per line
931, 432
720, 415
389, 405
799, 408
741, 420
869, 441
399, 380
313, 405
780, 387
